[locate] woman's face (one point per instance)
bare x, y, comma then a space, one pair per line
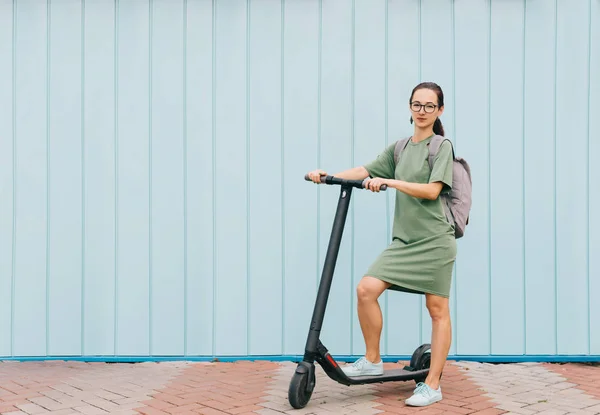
424, 108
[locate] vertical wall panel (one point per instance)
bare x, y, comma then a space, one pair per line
301, 135
231, 214
133, 177
472, 56
265, 179
6, 175
506, 185
437, 35
437, 65
572, 220
337, 147
99, 137
200, 181
369, 113
167, 306
403, 74
594, 177
31, 175
152, 156
538, 181
65, 179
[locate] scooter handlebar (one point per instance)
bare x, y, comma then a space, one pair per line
360, 184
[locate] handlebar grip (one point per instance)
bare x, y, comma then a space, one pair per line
309, 180
382, 188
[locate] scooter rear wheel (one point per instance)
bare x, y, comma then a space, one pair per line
421, 359
299, 393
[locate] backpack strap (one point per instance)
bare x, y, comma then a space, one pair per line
400, 145
434, 146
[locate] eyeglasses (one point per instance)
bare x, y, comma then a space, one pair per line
416, 107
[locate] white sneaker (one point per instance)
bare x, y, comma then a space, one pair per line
362, 367
424, 395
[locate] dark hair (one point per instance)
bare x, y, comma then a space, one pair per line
438, 128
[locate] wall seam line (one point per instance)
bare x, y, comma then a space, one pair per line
386, 129
555, 179
185, 185
48, 91
116, 173
524, 182
150, 262
83, 178
319, 76
352, 150
420, 13
587, 183
214, 186
14, 178
455, 289
248, 171
282, 159
489, 175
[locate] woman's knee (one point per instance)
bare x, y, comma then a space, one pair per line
438, 307
369, 289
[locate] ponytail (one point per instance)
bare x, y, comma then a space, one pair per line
438, 128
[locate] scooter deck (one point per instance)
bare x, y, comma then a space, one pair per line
391, 375
335, 372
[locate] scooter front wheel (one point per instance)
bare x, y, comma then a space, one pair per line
299, 392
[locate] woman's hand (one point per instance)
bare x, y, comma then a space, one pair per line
315, 175
375, 184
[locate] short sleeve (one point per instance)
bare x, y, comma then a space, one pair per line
383, 166
442, 166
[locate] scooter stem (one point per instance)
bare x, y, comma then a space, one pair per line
327, 274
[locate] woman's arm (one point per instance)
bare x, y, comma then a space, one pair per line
356, 173
429, 191
382, 166
441, 174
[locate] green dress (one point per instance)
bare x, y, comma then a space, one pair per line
421, 255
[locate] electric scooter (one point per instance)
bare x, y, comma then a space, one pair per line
304, 380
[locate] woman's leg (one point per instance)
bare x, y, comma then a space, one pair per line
369, 314
441, 336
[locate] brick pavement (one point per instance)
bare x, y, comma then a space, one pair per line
63, 388
260, 387
586, 376
529, 388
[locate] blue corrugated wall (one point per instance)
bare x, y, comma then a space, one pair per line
152, 156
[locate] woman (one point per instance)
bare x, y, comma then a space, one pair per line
421, 255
